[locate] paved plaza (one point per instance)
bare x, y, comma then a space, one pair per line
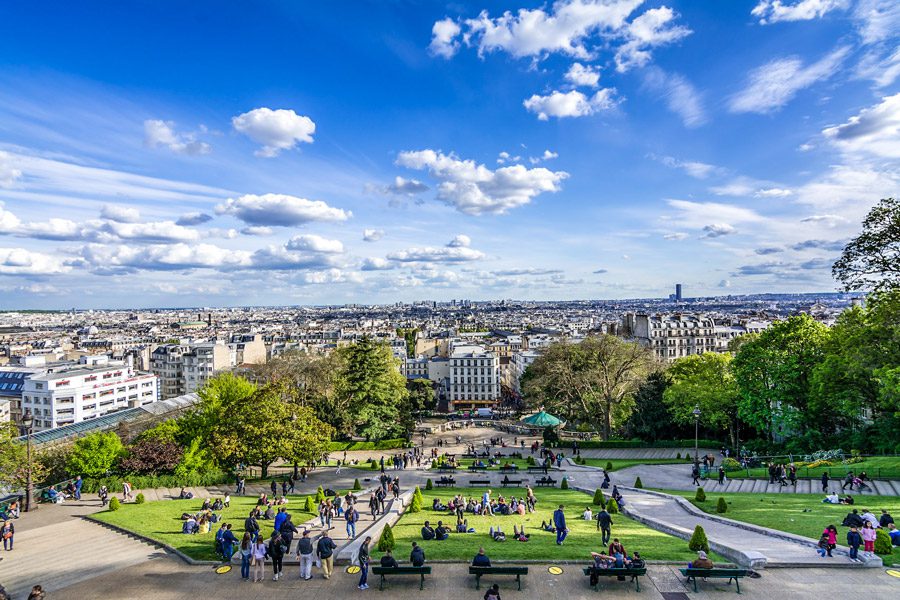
69, 555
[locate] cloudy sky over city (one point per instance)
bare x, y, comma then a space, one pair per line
223, 153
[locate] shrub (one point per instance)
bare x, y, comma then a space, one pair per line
356, 486
638, 484
114, 503
390, 444
700, 496
609, 466
386, 541
599, 500
429, 485
310, 505
374, 465
678, 456
721, 505
882, 542
151, 456
320, 495
565, 483
698, 540
530, 460
731, 465
149, 482
415, 505
139, 499
95, 454
612, 507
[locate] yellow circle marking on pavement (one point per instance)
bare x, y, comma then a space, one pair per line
555, 570
352, 569
893, 572
223, 569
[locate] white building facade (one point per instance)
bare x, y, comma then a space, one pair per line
672, 336
474, 378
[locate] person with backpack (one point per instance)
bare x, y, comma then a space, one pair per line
493, 593
275, 551
251, 526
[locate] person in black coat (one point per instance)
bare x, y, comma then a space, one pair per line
824, 481
388, 560
604, 524
275, 551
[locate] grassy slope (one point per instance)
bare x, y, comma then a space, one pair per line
464, 463
879, 467
785, 512
583, 536
619, 464
162, 521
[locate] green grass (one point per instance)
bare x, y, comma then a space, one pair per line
161, 521
619, 464
522, 463
785, 512
583, 536
879, 467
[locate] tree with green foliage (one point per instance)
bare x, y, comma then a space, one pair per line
13, 461
114, 504
638, 483
428, 484
309, 506
698, 540
721, 505
593, 381
650, 419
415, 503
564, 485
320, 495
598, 497
386, 541
372, 390
421, 395
883, 544
700, 495
774, 372
140, 499
871, 260
612, 507
356, 486
705, 381
95, 454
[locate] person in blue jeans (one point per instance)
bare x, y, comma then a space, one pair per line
246, 553
559, 521
352, 517
363, 558
854, 540
78, 483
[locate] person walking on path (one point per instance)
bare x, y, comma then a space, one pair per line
363, 558
721, 475
305, 555
78, 483
258, 559
325, 551
276, 553
792, 475
126, 492
604, 524
274, 488
559, 521
825, 481
352, 517
373, 505
246, 555
7, 532
37, 593
493, 593
695, 474
854, 540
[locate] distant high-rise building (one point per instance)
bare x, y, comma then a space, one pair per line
677, 292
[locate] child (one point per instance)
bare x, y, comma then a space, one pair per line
868, 536
854, 540
823, 547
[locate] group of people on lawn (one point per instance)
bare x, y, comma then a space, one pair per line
486, 505
862, 533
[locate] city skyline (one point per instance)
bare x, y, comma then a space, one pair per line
291, 155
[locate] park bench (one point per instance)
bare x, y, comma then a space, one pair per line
545, 482
445, 482
509, 468
729, 574
626, 572
507, 481
475, 482
479, 571
477, 468
539, 469
445, 469
469, 455
420, 571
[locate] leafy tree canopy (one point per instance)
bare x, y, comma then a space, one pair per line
871, 260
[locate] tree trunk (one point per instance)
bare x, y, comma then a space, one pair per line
265, 470
296, 470
607, 423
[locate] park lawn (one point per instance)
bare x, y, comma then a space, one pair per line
876, 467
464, 463
785, 512
583, 535
161, 521
619, 464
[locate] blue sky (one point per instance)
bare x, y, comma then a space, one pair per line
160, 154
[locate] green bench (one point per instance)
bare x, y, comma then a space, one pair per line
420, 571
633, 573
479, 571
730, 574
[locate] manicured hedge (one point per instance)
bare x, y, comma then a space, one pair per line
638, 444
382, 445
147, 482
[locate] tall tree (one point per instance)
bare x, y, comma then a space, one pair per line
774, 371
871, 260
370, 390
95, 454
593, 380
650, 420
705, 381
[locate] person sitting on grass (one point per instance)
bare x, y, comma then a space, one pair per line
701, 562
481, 559
185, 495
548, 526
587, 515
848, 500
388, 560
462, 526
428, 532
207, 505
497, 534
832, 498
218, 505
436, 505
190, 526
441, 533
519, 534
853, 519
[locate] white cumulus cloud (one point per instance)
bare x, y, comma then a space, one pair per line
120, 214
310, 242
280, 210
456, 250
18, 261
443, 38
776, 11
875, 130
654, 28
570, 104
474, 189
581, 75
276, 130
372, 235
162, 133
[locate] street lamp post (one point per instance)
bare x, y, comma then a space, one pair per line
28, 424
696, 434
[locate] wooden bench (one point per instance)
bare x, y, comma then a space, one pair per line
469, 455
633, 573
510, 469
545, 482
445, 469
445, 483
477, 468
730, 574
479, 482
516, 482
539, 469
420, 571
479, 571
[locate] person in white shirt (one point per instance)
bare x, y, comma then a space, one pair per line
587, 515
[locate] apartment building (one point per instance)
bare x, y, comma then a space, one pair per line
474, 377
75, 393
672, 336
185, 368
517, 365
